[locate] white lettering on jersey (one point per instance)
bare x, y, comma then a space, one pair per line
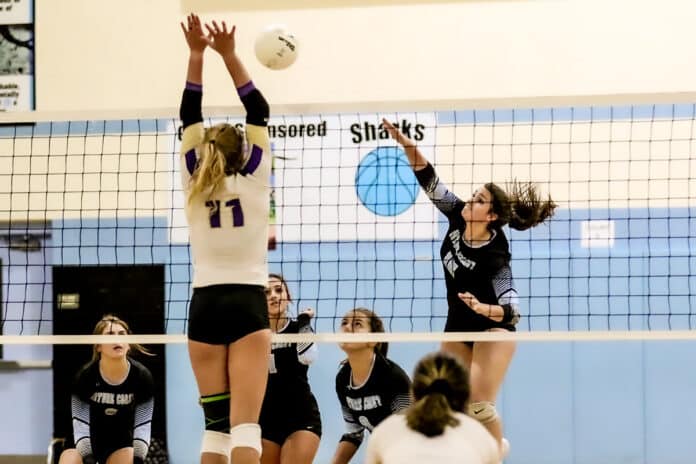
364, 404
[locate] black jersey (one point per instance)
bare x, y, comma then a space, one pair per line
483, 270
106, 416
386, 391
288, 365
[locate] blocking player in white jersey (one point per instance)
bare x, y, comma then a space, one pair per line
226, 178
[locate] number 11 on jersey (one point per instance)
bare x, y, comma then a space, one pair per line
235, 207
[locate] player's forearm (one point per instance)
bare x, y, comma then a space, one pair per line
194, 74
344, 452
237, 71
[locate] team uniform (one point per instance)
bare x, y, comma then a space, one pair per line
228, 231
482, 270
394, 442
387, 390
108, 417
289, 405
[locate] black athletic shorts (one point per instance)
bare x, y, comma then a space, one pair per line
466, 320
280, 421
222, 314
102, 450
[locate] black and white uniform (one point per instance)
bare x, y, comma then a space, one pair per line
387, 390
228, 231
109, 417
289, 405
483, 270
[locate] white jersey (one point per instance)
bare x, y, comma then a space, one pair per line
229, 231
393, 442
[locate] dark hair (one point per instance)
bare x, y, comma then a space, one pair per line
376, 326
273, 275
521, 206
440, 387
103, 323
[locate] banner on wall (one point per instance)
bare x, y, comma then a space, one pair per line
16, 55
339, 177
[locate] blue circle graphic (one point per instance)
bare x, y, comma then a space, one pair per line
385, 182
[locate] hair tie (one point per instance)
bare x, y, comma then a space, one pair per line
441, 386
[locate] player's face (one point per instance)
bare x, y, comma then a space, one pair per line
478, 208
355, 322
114, 350
277, 297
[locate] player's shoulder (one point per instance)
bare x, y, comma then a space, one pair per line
140, 370
343, 374
257, 135
393, 369
292, 327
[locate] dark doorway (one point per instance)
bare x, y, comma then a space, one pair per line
81, 296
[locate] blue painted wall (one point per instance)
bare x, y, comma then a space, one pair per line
575, 403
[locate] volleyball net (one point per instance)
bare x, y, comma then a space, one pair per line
92, 221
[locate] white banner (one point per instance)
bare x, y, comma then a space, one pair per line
340, 177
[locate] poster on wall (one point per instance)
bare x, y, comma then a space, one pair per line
16, 55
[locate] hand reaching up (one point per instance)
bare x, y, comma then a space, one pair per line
220, 39
193, 32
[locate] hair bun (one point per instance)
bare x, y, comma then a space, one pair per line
439, 386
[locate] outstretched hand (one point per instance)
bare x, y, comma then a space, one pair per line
220, 39
397, 135
193, 32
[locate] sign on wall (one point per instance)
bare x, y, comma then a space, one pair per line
16, 55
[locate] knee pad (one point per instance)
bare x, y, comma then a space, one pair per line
216, 443
483, 411
246, 436
216, 409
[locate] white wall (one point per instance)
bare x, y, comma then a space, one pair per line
98, 54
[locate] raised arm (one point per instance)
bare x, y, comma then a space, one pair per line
190, 110
414, 155
223, 41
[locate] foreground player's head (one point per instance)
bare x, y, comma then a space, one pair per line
110, 324
221, 154
522, 206
278, 296
440, 387
363, 320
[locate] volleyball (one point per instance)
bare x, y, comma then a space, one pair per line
276, 48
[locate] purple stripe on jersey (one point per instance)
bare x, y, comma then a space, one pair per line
245, 89
254, 160
191, 160
194, 86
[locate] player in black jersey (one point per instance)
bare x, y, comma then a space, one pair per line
226, 178
290, 420
475, 255
369, 386
112, 404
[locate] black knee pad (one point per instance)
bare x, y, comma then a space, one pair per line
216, 409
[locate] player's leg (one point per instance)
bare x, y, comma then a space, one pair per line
70, 456
489, 364
463, 351
270, 453
300, 448
121, 456
209, 364
248, 374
